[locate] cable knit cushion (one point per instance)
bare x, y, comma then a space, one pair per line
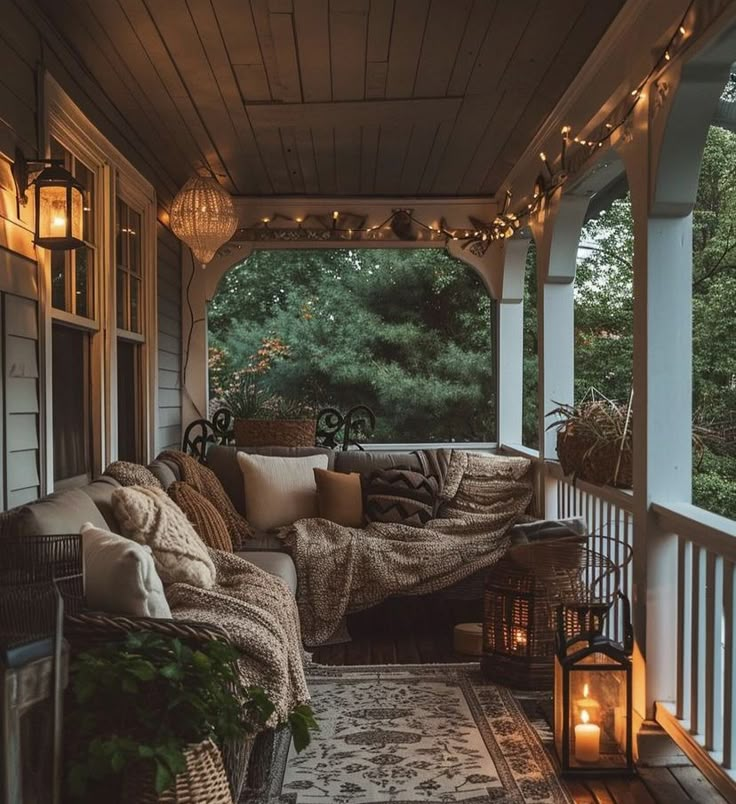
132, 474
148, 516
120, 576
205, 481
203, 515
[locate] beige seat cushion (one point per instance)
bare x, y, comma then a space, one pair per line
279, 491
340, 497
206, 519
59, 514
148, 516
120, 576
278, 564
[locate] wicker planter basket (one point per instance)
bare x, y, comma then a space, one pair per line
606, 464
203, 782
275, 432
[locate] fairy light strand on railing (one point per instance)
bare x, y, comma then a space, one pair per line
505, 224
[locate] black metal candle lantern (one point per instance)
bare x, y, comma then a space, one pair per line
592, 695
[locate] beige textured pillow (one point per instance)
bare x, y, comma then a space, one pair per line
278, 491
340, 497
148, 516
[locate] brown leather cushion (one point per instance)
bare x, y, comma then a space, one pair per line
400, 495
203, 515
340, 497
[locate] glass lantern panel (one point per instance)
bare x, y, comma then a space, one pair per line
597, 716
52, 212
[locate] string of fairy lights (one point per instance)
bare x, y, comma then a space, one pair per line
478, 237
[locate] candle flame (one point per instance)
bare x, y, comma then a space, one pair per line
584, 716
586, 690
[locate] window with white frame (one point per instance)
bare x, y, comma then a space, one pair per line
99, 389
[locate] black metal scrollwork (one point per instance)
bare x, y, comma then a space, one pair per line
335, 430
202, 432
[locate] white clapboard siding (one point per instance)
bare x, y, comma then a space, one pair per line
22, 403
168, 432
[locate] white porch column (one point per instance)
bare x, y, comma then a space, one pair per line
510, 342
557, 234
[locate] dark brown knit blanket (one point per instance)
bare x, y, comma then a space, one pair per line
343, 570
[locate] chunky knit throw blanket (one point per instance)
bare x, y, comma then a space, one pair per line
259, 614
342, 570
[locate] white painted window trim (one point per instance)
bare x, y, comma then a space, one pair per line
62, 119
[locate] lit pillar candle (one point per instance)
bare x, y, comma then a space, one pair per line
590, 705
587, 740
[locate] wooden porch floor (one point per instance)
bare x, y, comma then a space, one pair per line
420, 632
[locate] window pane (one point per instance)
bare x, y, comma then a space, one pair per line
122, 302
134, 241
84, 259
121, 241
87, 179
59, 270
135, 295
128, 405
71, 405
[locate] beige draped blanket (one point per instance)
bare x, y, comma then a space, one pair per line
343, 570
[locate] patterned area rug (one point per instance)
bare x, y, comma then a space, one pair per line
413, 734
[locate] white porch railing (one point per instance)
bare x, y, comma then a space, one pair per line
703, 716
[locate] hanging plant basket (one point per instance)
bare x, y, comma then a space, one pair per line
275, 432
594, 441
203, 782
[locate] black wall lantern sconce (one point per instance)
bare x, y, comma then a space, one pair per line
59, 201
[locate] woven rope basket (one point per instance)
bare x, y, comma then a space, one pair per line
275, 432
203, 782
606, 464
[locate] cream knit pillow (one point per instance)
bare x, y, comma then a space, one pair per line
278, 491
147, 515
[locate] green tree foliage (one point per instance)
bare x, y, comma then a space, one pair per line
530, 401
407, 332
604, 314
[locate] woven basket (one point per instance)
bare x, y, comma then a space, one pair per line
203, 782
606, 464
275, 432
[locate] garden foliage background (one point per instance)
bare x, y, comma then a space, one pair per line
409, 332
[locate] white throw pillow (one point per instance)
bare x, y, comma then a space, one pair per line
120, 576
278, 491
147, 515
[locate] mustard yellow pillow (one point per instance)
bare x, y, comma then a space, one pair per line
340, 497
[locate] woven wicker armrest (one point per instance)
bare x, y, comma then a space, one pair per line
86, 629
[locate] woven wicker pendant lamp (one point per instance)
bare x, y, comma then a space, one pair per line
203, 216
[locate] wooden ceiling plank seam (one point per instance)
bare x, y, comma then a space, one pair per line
18, 77
445, 26
533, 57
394, 141
117, 22
272, 149
284, 42
380, 25
407, 111
478, 107
348, 35
429, 173
162, 59
63, 61
368, 158
190, 63
238, 30
311, 23
25, 36
376, 73
120, 119
262, 22
420, 147
553, 84
406, 44
323, 139
291, 157
305, 152
210, 35
491, 65
476, 30
347, 159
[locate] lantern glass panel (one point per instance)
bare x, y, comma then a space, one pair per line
52, 212
77, 212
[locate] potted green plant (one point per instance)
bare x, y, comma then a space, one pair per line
147, 714
263, 418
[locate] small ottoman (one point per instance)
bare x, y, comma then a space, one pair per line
468, 639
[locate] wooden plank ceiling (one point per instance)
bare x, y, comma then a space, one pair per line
335, 97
